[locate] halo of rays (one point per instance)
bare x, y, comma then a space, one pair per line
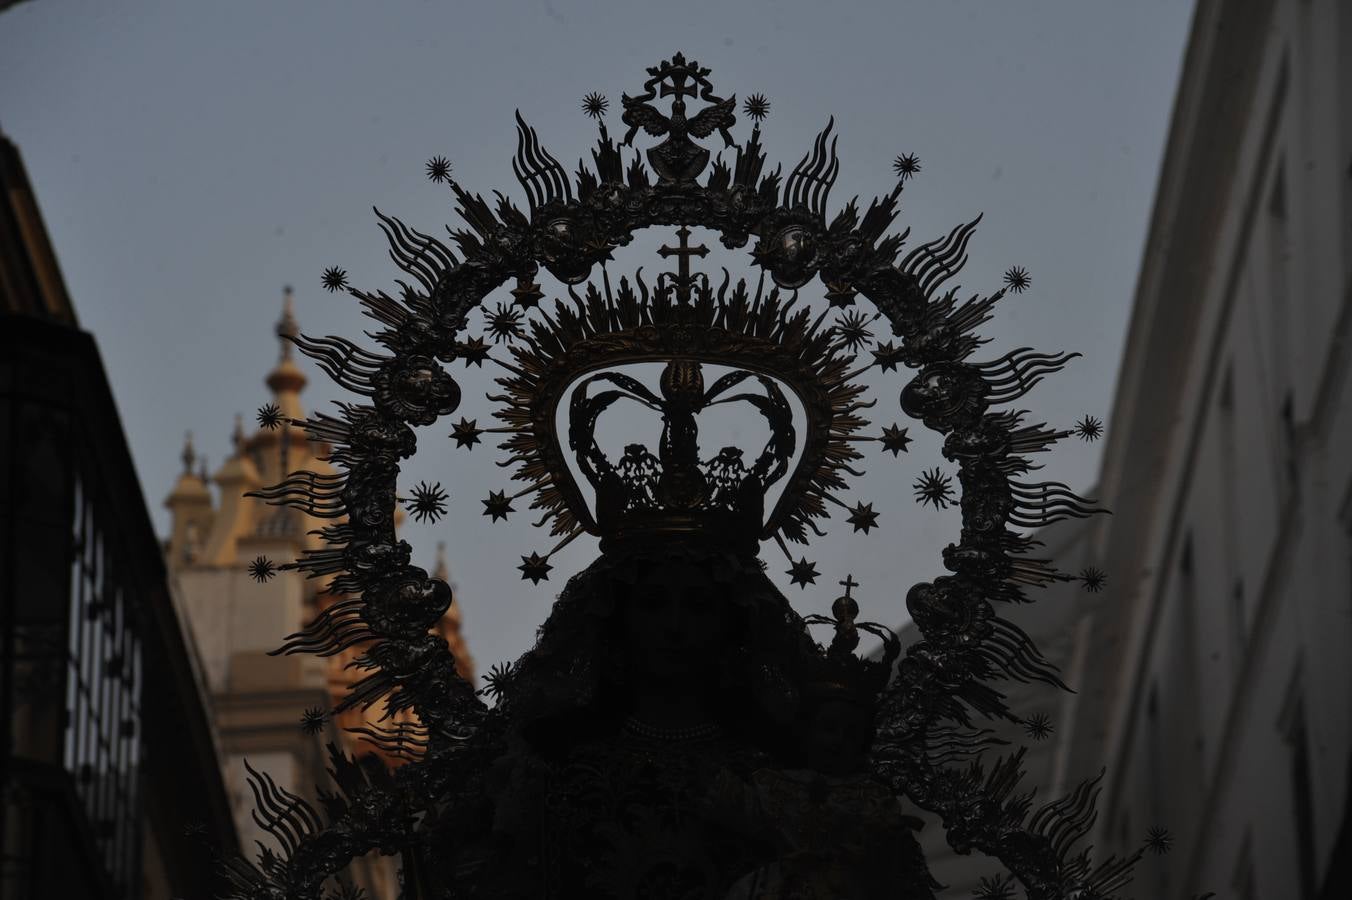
961, 636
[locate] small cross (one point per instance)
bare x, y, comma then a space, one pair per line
678, 87
683, 279
848, 584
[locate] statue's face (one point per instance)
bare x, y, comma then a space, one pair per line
675, 625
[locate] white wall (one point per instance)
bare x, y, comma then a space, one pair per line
1253, 623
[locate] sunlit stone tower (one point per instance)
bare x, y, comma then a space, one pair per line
258, 699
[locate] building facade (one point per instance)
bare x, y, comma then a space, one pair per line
237, 621
1213, 674
110, 789
1221, 695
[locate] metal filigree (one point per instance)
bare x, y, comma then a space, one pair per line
924, 745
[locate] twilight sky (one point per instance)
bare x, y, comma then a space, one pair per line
191, 158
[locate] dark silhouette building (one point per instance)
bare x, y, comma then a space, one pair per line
108, 748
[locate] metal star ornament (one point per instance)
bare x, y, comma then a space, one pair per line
496, 680
334, 279
1017, 279
527, 294
852, 330
498, 505
802, 572
473, 351
862, 517
1089, 428
934, 487
894, 439
1093, 579
906, 165
262, 569
840, 296
466, 432
439, 169
270, 416
312, 720
1038, 726
504, 323
1159, 841
756, 107
886, 356
428, 502
535, 567
595, 105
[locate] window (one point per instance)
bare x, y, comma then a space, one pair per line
103, 687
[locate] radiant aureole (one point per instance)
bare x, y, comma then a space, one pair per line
678, 731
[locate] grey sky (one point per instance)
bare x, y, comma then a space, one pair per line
191, 158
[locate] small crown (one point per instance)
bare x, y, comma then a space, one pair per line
841, 674
675, 493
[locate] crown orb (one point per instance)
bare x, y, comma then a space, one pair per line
845, 608
683, 382
417, 390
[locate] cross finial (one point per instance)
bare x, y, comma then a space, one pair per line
849, 584
679, 73
189, 454
684, 281
286, 326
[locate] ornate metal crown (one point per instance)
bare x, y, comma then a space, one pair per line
841, 674
765, 338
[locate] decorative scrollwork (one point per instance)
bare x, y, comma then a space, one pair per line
925, 746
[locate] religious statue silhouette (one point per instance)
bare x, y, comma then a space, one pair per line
677, 731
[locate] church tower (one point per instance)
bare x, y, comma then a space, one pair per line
235, 621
